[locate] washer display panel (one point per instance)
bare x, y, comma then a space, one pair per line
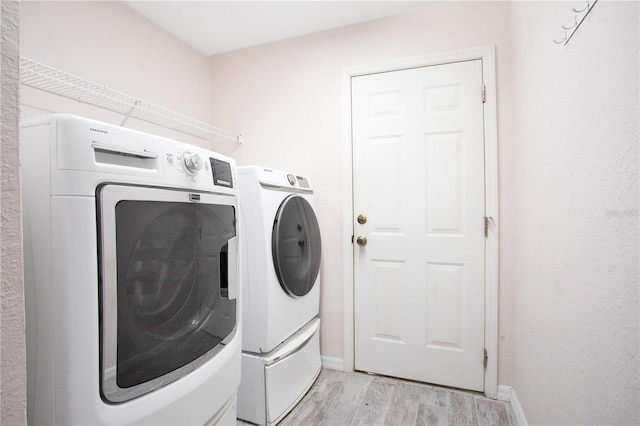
296, 246
166, 307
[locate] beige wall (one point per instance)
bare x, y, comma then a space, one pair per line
12, 339
121, 50
575, 351
287, 99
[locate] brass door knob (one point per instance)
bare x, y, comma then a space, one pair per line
362, 219
361, 240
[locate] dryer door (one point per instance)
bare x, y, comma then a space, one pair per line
296, 246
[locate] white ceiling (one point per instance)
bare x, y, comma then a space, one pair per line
214, 27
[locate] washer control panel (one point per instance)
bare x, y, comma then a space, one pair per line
88, 152
191, 162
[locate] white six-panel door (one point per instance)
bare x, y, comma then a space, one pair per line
418, 177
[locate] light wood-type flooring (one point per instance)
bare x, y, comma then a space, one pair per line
343, 399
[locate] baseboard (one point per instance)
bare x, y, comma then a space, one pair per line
504, 393
517, 409
331, 363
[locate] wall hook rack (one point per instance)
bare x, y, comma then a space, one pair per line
43, 77
578, 18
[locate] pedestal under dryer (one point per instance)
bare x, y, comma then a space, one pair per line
281, 250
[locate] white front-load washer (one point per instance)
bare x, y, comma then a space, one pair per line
281, 251
131, 277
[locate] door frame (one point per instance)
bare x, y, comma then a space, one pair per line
487, 55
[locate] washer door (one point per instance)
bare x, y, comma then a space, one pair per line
296, 246
166, 265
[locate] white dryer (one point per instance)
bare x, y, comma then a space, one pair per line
130, 277
281, 251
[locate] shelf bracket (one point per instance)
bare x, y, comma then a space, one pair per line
126, 117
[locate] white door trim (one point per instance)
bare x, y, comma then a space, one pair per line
487, 55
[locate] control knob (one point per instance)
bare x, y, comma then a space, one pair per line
192, 163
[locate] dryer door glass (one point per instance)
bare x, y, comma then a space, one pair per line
171, 295
296, 246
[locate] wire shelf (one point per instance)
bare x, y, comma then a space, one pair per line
43, 77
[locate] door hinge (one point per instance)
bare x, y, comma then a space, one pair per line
487, 219
486, 358
484, 93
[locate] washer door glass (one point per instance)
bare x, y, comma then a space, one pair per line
171, 295
296, 246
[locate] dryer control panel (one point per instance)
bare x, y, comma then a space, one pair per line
281, 179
